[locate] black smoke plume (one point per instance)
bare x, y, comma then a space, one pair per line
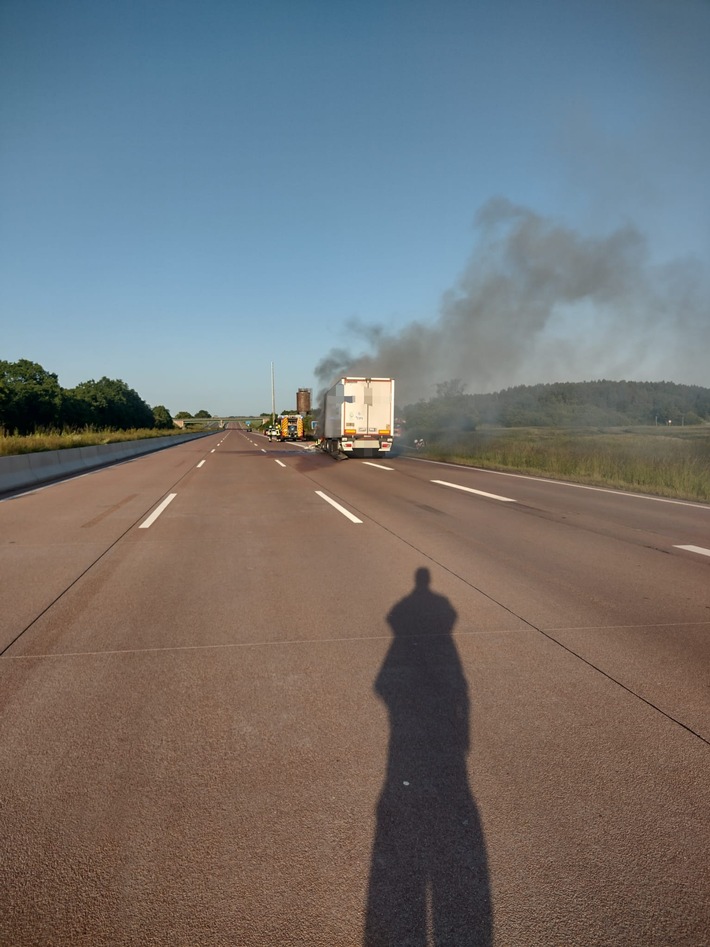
539, 302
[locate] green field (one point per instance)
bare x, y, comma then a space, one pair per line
658, 461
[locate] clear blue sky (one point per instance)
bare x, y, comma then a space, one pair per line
192, 190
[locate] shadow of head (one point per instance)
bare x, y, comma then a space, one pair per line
422, 578
422, 612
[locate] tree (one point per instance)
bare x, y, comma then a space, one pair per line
449, 413
453, 388
77, 412
30, 397
162, 418
181, 415
113, 404
203, 414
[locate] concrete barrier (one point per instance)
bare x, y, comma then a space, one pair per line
15, 472
28, 470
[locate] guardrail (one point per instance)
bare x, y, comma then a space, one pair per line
28, 470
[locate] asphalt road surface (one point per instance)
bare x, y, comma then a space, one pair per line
253, 696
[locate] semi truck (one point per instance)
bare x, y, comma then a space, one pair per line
358, 417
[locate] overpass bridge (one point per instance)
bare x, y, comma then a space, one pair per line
242, 422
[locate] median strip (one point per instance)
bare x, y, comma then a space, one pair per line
338, 507
157, 511
480, 493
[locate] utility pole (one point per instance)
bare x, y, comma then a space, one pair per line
273, 400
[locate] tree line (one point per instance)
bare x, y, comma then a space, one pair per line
561, 404
32, 401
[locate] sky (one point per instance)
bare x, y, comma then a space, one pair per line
497, 191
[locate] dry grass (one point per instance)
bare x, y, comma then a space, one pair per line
56, 440
662, 463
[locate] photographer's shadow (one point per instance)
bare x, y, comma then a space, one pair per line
429, 878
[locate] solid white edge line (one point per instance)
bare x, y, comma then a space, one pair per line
377, 466
200, 463
341, 509
698, 549
481, 493
280, 463
157, 511
563, 483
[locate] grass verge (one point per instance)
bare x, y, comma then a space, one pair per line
662, 463
58, 440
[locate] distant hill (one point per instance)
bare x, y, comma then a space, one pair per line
564, 404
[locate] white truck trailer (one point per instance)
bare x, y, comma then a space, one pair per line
358, 417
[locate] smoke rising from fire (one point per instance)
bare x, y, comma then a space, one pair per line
539, 302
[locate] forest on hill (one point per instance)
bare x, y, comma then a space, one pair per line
561, 404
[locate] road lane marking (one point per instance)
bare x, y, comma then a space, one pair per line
341, 509
698, 549
157, 511
200, 463
213, 450
270, 643
377, 466
561, 483
480, 493
280, 463
263, 450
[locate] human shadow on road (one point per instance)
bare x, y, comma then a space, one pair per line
429, 877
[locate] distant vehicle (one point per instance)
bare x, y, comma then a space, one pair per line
358, 417
292, 428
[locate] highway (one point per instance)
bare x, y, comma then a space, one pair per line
253, 696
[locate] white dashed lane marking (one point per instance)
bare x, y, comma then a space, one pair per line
480, 493
157, 511
699, 549
338, 507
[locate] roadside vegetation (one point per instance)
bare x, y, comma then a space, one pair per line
33, 402
665, 464
60, 440
650, 438
38, 414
